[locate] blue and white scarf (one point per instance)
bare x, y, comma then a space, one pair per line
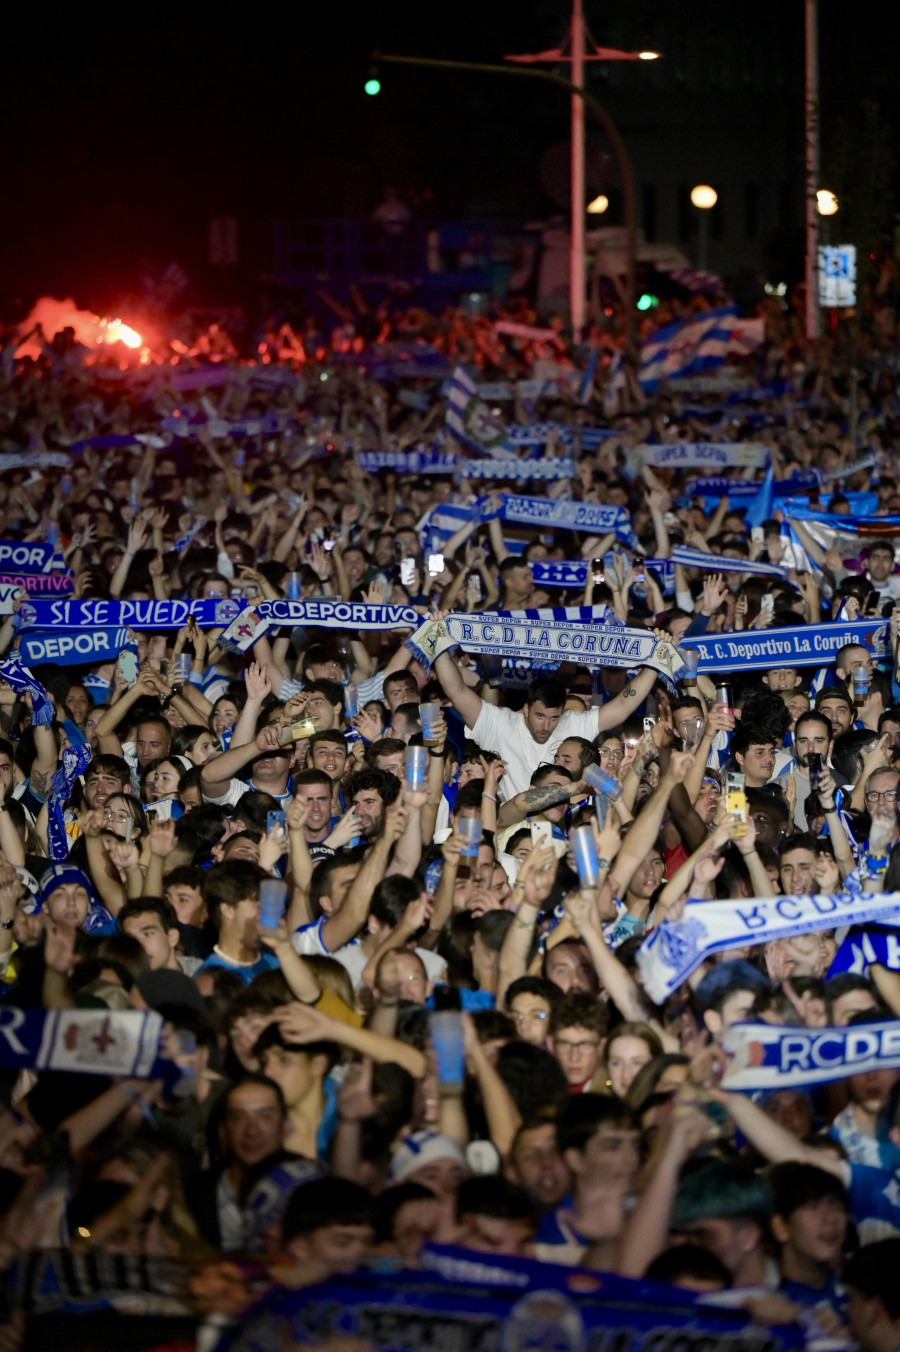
522, 470
190, 535
545, 640
90, 1041
421, 461
806, 645
71, 647
689, 557
34, 460
677, 948
74, 761
339, 614
888, 526
537, 434
594, 518
15, 674
696, 455
768, 1056
103, 614
717, 487
28, 557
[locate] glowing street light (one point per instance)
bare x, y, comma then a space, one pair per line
598, 205
704, 197
826, 202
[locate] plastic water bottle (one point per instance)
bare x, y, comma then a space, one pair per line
293, 586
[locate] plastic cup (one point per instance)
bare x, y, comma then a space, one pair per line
351, 700
446, 1029
181, 667
428, 716
416, 766
601, 782
272, 896
691, 663
584, 850
470, 829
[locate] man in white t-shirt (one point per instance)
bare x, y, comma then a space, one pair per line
525, 740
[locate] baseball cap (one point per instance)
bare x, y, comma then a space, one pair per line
421, 1148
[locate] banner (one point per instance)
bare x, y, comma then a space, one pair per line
547, 640
595, 518
767, 1056
517, 469
467, 1301
102, 614
469, 419
672, 952
805, 646
338, 614
92, 1041
70, 647
432, 461
696, 455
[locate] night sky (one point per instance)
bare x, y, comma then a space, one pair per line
126, 128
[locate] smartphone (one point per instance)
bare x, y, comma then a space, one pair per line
814, 765
768, 602
473, 586
736, 799
398, 550
239, 459
756, 535
298, 732
435, 565
65, 485
597, 569
639, 577
446, 997
407, 572
328, 540
541, 833
127, 665
276, 819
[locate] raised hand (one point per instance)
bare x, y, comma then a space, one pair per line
162, 837
256, 676
367, 724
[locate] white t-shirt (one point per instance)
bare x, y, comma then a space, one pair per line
236, 790
308, 942
506, 732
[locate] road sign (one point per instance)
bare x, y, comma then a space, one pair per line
837, 275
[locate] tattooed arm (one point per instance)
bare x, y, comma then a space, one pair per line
628, 702
45, 763
533, 801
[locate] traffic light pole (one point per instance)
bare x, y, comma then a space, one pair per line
606, 122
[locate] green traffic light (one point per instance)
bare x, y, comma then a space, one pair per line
647, 302
373, 87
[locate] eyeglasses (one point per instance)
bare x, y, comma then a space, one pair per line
116, 817
611, 753
889, 795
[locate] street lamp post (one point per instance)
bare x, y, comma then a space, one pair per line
704, 199
606, 122
813, 312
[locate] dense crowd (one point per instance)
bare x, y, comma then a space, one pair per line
391, 915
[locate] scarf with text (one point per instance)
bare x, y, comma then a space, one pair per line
808, 645
562, 638
672, 952
696, 455
90, 1041
768, 1056
594, 518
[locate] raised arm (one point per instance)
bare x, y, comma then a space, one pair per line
464, 700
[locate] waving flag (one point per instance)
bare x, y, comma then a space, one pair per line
469, 419
695, 345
